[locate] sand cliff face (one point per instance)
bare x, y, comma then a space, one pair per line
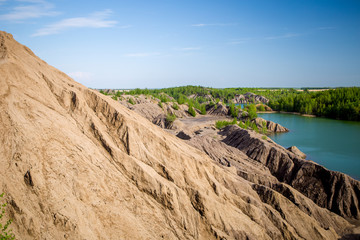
78, 165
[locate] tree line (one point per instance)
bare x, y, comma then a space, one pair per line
340, 103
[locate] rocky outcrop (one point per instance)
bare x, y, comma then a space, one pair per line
277, 194
184, 135
270, 126
218, 110
249, 97
297, 152
332, 190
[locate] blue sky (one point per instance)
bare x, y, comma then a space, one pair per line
216, 43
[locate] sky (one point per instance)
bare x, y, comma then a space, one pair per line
214, 43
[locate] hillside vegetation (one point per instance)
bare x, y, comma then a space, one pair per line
339, 103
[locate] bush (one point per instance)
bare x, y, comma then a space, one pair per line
131, 101
234, 111
242, 125
264, 128
114, 97
252, 111
5, 234
262, 108
203, 109
160, 104
175, 106
102, 91
264, 137
170, 118
192, 110
222, 124
182, 99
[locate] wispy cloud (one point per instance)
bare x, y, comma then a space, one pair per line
29, 9
142, 54
288, 35
213, 24
95, 20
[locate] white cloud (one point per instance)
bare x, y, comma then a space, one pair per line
95, 20
288, 35
32, 9
142, 54
80, 75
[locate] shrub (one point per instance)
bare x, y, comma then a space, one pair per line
242, 125
102, 91
5, 234
160, 104
131, 101
191, 110
221, 124
164, 98
264, 128
252, 111
118, 93
170, 118
182, 99
264, 137
262, 108
114, 97
175, 106
203, 109
234, 111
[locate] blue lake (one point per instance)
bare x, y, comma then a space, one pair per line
334, 144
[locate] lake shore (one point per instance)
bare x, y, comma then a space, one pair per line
294, 113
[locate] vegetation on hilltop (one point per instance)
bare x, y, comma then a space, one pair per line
340, 103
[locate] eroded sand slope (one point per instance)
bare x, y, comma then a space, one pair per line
76, 164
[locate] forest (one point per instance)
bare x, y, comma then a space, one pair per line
339, 103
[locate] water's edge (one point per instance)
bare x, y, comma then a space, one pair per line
328, 142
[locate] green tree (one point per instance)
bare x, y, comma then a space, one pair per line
202, 109
234, 111
191, 110
252, 111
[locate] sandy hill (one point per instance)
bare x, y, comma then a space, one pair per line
77, 165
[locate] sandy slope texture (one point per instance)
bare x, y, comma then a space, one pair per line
75, 164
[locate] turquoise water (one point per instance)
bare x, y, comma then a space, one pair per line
334, 144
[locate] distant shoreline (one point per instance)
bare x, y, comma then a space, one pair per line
294, 113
